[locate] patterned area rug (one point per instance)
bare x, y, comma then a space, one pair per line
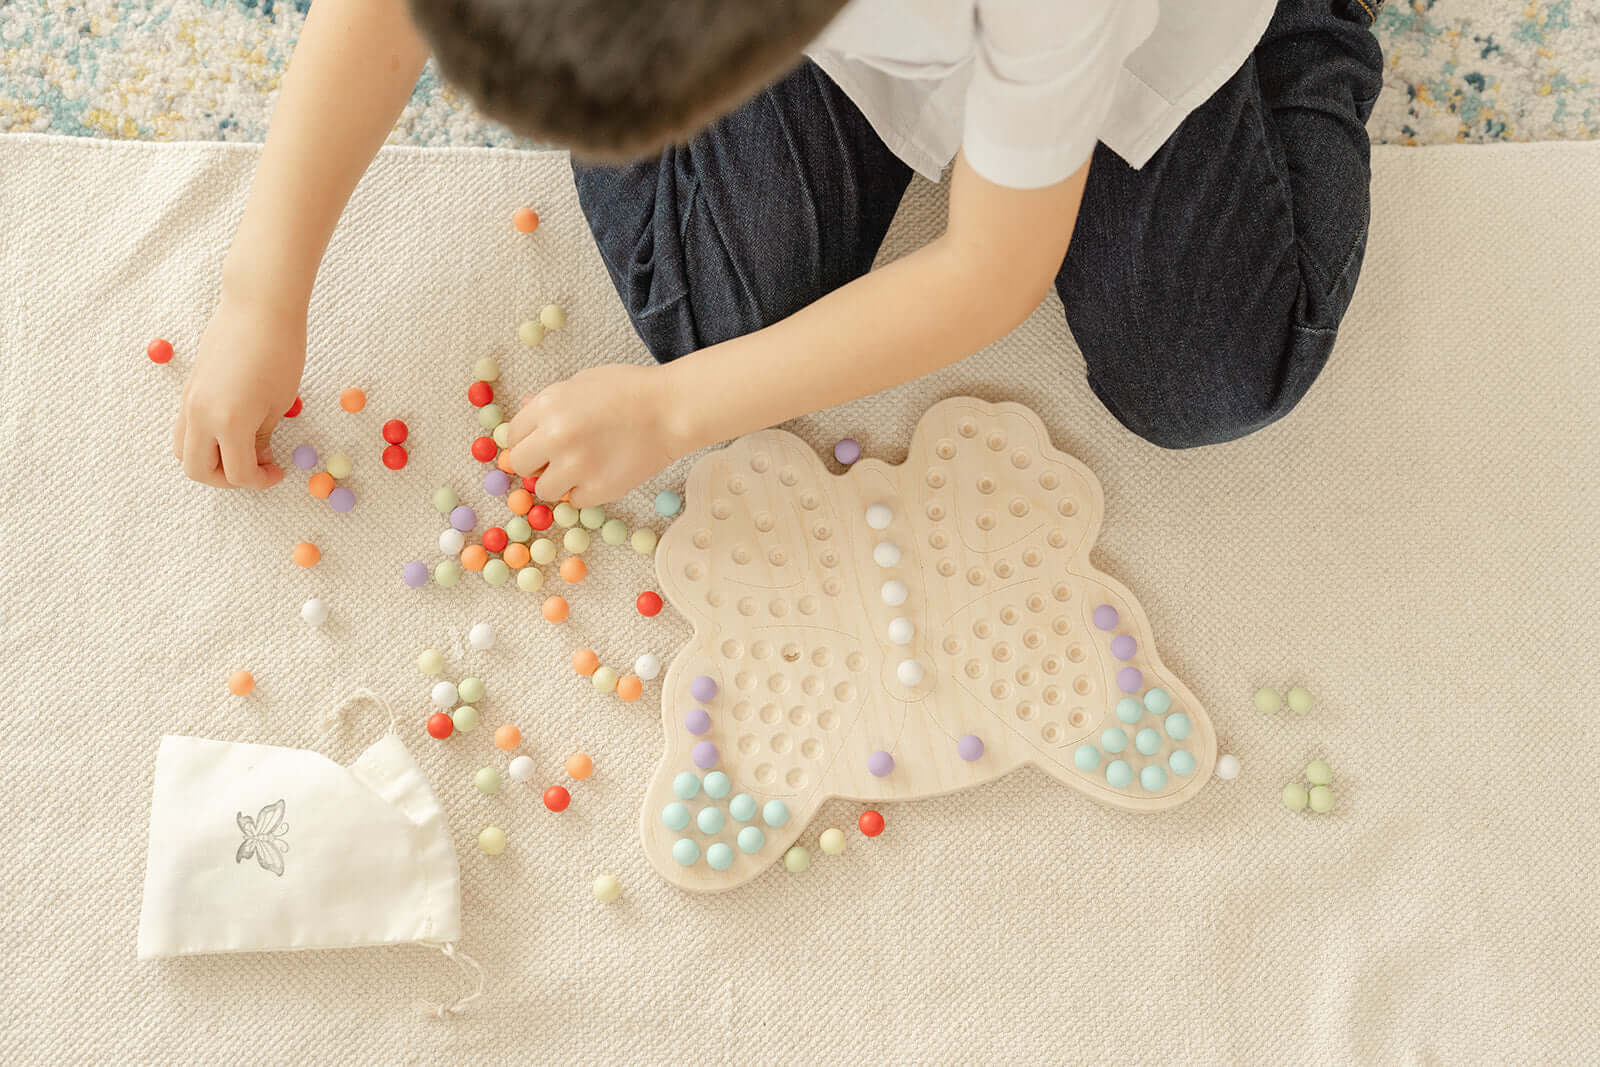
1459, 70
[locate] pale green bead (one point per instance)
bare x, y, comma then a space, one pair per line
604, 679
487, 780
492, 840
1321, 799
832, 841
542, 551
490, 416
1267, 701
531, 332
470, 690
565, 514
1294, 797
614, 532
576, 541
502, 435
486, 370
607, 889
592, 518
447, 573
444, 500
530, 579
518, 529
644, 540
430, 662
1319, 773
1299, 700
339, 465
796, 859
552, 316
496, 572
465, 717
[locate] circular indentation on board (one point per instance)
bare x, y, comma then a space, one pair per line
945, 449
1018, 507
1051, 733
1020, 459
736, 486
1025, 675
968, 428
936, 479
807, 604
778, 683
765, 522
844, 692
986, 520
1075, 653
974, 576
788, 476
937, 539
778, 608
936, 512
780, 743
694, 572
758, 649
946, 568
790, 652
951, 645
740, 555
748, 744
798, 715
732, 649
1067, 508
1049, 480
821, 532
811, 686
811, 748
777, 556
760, 462
855, 661
1081, 686
1026, 711
1060, 625
1032, 639
747, 606
1035, 602
1002, 653
1000, 690
828, 719
744, 680
974, 669
720, 509
1032, 558
831, 586
829, 558
981, 629
1078, 717
1061, 591
808, 500
1003, 568
1052, 695
740, 711
1008, 615
986, 484
1056, 538
996, 441
766, 774
796, 778
702, 539
821, 656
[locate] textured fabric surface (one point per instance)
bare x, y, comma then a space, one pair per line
1416, 544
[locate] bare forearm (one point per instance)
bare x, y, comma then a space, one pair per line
352, 71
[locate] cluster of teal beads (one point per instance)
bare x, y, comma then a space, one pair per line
711, 820
1146, 741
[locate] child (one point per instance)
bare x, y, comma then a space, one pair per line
1206, 159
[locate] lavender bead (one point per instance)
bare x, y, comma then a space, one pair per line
496, 483
847, 451
697, 721
463, 518
341, 499
415, 574
1129, 680
1123, 646
970, 747
880, 763
704, 755
305, 457
703, 688
1105, 617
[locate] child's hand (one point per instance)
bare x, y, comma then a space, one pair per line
601, 432
244, 379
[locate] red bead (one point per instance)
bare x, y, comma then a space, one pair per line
556, 798
440, 725
871, 823
530, 483
294, 409
540, 516
395, 431
394, 457
480, 393
159, 351
495, 539
649, 604
484, 450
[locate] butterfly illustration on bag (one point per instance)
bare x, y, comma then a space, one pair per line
263, 838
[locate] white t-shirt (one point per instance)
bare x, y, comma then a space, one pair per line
1026, 87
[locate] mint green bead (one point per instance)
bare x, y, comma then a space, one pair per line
1129, 710
1268, 701
530, 579
517, 529
718, 785
685, 851
465, 717
775, 813
496, 572
502, 435
1114, 740
643, 540
709, 820
339, 465
719, 857
1178, 726
686, 785
447, 573
751, 839
430, 662
1321, 799
1147, 741
1294, 797
565, 514
742, 807
1119, 773
445, 500
796, 859
1181, 762
1159, 701
490, 416
1299, 700
576, 541
486, 369
675, 816
1153, 778
604, 679
487, 780
614, 532
1086, 757
1319, 773
592, 518
470, 690
542, 551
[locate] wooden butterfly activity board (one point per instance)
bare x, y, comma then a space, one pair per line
898, 632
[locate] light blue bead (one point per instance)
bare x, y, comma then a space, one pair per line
709, 820
719, 856
1181, 762
751, 839
1118, 773
668, 503
685, 852
742, 807
1158, 701
1153, 779
718, 785
1129, 710
675, 816
1178, 726
686, 785
776, 813
1114, 740
1086, 757
1147, 741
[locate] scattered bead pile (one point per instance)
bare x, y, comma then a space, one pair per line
1319, 797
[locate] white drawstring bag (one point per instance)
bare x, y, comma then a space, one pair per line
256, 848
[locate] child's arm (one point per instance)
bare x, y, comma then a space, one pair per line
353, 70
605, 430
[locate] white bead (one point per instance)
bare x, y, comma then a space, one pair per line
481, 636
909, 672
901, 630
444, 694
522, 768
451, 542
314, 611
894, 593
647, 666
1228, 766
879, 516
887, 554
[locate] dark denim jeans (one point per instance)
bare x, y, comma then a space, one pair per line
1205, 289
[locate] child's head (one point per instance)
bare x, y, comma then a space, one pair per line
615, 78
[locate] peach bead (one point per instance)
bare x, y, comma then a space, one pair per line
507, 738
585, 662
240, 683
629, 688
525, 219
473, 557
352, 400
520, 501
573, 570
579, 766
516, 555
504, 462
555, 609
321, 484
307, 554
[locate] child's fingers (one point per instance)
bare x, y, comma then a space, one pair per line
523, 423
202, 461
556, 482
178, 428
527, 456
239, 462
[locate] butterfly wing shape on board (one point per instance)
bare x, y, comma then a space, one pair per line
898, 632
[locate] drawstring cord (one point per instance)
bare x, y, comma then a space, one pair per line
334, 717
467, 964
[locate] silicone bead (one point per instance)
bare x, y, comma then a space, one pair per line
1147, 741
1159, 701
306, 554
447, 573
496, 483
443, 694
1299, 700
517, 529
466, 719
686, 852
440, 725
879, 516
576, 540
530, 580
481, 636
709, 820
643, 540
525, 220
775, 813
573, 570
751, 839
241, 683
555, 609
490, 416
719, 857
686, 785
1321, 799
492, 840
463, 518
565, 514
452, 541
415, 574
1153, 778
1086, 757
486, 369
1114, 740
614, 531
530, 332
629, 688
1105, 617
352, 400
742, 807
1118, 773
304, 456
314, 611
160, 351
339, 465
668, 503
444, 500
901, 630
1129, 710
796, 859
1228, 766
592, 518
894, 593
1123, 646
487, 780
1295, 797
1181, 762
480, 394
703, 688
470, 690
1129, 679
1178, 726
1268, 701
647, 666
552, 317
886, 554
543, 550
294, 409
394, 457
675, 816
717, 785
342, 499
870, 823
473, 557
970, 747
1319, 773
847, 451
604, 680
909, 671
832, 841
704, 754
648, 604
507, 737
515, 555
521, 769
430, 662
606, 888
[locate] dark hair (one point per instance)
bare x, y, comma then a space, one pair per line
615, 78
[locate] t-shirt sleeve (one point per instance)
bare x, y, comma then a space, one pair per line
1043, 79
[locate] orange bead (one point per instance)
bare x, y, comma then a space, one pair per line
321, 484
473, 557
525, 219
352, 400
520, 501
629, 688
507, 738
573, 569
555, 609
579, 766
516, 555
585, 662
504, 461
240, 683
307, 554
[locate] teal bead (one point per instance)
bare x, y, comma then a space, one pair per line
751, 839
1158, 701
719, 857
1129, 710
1118, 773
709, 820
1178, 726
1181, 762
776, 813
675, 816
1114, 740
1147, 741
592, 518
685, 851
686, 785
1153, 778
717, 785
742, 807
1086, 757
668, 503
